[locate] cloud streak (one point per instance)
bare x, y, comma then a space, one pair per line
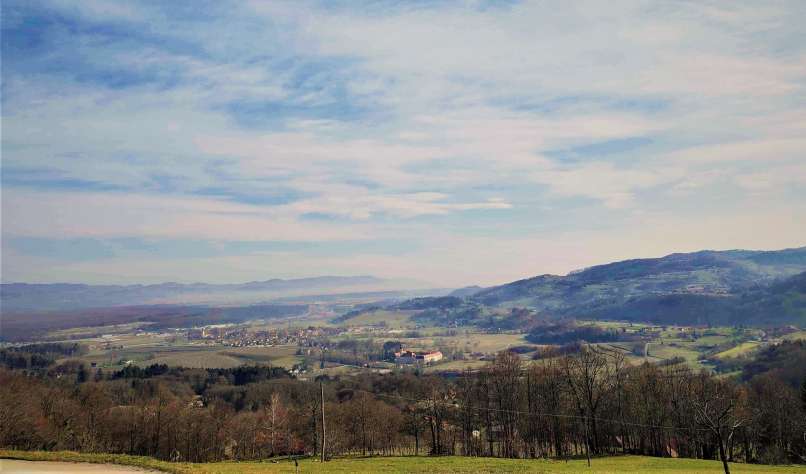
436, 124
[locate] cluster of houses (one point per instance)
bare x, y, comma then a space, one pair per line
244, 337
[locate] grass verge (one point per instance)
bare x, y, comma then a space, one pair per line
412, 464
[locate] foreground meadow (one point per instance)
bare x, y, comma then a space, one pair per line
408, 464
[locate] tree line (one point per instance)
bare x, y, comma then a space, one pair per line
588, 403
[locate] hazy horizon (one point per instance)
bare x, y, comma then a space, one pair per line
410, 283
458, 143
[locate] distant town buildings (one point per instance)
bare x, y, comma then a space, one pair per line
408, 357
245, 337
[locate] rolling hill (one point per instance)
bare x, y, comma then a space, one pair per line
760, 288
779, 304
705, 273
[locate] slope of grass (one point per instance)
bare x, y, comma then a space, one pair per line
447, 464
670, 350
738, 350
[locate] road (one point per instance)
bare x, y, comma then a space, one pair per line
13, 466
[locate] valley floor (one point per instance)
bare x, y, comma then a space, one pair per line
447, 464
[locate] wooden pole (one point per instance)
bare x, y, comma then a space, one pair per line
322, 387
587, 443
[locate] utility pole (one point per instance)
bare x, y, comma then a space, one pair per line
587, 443
322, 387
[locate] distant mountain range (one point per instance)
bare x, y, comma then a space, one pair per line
708, 287
68, 296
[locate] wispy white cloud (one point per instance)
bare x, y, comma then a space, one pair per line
313, 122
92, 214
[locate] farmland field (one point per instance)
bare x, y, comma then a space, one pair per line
392, 319
78, 332
195, 359
113, 349
224, 357
469, 342
738, 350
456, 365
671, 349
282, 356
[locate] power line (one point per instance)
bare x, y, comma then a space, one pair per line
555, 415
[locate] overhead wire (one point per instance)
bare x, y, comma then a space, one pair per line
539, 414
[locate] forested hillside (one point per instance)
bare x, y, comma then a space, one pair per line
779, 304
702, 288
706, 272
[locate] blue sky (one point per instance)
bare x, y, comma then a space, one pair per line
452, 142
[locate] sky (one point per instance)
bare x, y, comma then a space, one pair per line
452, 142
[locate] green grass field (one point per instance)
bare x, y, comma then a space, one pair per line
226, 357
194, 359
447, 464
739, 350
279, 356
473, 342
456, 365
392, 319
674, 348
